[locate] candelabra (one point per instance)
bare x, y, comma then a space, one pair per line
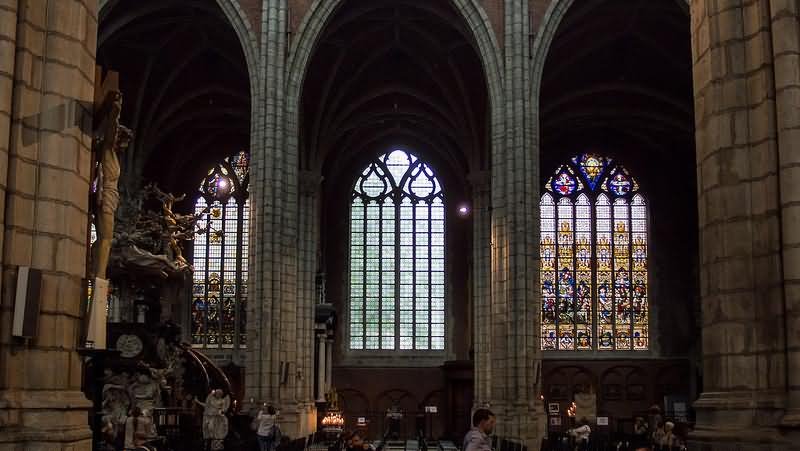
333, 421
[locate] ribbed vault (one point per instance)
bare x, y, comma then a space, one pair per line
394, 73
622, 68
185, 84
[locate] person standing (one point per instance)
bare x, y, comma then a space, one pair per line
477, 439
266, 428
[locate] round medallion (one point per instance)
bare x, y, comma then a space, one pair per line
129, 346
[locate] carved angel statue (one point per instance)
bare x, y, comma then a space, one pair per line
116, 399
146, 394
178, 227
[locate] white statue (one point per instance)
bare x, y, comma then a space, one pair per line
215, 423
116, 399
146, 394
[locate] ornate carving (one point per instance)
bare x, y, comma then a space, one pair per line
111, 139
149, 243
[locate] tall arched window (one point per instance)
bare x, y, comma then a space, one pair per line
397, 256
219, 292
593, 251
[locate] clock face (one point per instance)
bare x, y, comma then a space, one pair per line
129, 346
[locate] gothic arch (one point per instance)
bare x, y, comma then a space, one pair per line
241, 25
541, 46
321, 11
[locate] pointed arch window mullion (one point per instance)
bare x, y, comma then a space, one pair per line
207, 288
574, 208
630, 272
237, 295
614, 300
594, 323
363, 307
397, 196
557, 252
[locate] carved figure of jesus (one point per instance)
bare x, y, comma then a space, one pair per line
114, 141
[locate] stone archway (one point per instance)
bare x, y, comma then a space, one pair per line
474, 25
320, 12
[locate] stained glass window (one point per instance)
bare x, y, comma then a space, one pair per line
219, 288
593, 249
397, 288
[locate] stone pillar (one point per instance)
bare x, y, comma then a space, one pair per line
274, 368
308, 248
46, 90
744, 334
328, 363
786, 61
481, 281
514, 241
8, 40
321, 355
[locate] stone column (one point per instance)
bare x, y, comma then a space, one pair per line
273, 331
328, 363
8, 40
481, 281
46, 89
786, 61
744, 360
514, 240
308, 220
321, 355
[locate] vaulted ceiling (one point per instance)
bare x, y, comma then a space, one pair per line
620, 71
185, 86
395, 73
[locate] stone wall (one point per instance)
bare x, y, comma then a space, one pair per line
47, 61
746, 77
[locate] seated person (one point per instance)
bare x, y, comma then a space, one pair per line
139, 429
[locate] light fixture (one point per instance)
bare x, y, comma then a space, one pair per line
333, 421
463, 210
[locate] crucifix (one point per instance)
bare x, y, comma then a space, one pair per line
109, 140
